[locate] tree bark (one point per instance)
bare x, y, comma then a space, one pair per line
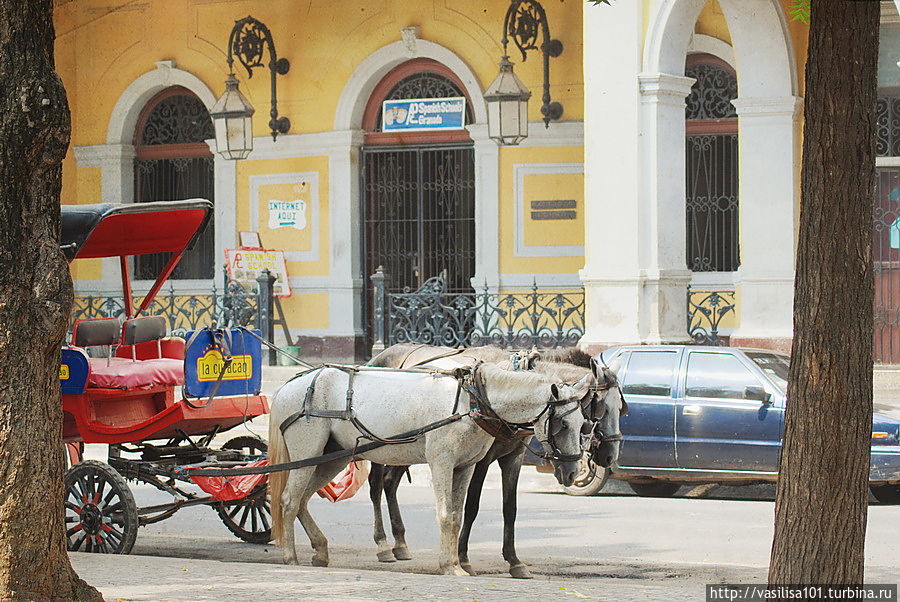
35, 300
821, 500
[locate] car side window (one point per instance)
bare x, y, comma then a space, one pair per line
719, 376
650, 373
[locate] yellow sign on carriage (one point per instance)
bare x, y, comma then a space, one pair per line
210, 364
63, 372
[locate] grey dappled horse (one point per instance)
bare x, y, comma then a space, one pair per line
386, 403
570, 365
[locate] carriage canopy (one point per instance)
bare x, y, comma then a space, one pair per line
116, 230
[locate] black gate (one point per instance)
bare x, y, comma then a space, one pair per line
418, 216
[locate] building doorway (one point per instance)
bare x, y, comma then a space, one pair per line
418, 190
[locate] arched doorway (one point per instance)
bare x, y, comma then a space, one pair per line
711, 166
418, 188
172, 161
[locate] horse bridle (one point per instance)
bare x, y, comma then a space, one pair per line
485, 416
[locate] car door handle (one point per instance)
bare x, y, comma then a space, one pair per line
691, 410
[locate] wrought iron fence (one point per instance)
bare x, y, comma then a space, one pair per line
233, 305
706, 311
513, 319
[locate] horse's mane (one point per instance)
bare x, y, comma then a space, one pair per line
500, 376
566, 372
567, 355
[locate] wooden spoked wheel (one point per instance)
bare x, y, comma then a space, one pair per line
101, 515
249, 518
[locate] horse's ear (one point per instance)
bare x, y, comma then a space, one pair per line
594, 369
582, 387
531, 359
623, 411
554, 391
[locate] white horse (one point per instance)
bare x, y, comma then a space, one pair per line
387, 403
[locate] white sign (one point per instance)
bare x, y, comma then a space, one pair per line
287, 214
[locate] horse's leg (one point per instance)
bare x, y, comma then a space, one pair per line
510, 466
321, 477
392, 478
294, 494
376, 486
473, 500
443, 480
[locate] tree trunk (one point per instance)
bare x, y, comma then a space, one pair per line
35, 299
821, 501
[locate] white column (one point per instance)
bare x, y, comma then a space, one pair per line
665, 273
116, 163
487, 210
769, 138
225, 192
345, 287
612, 271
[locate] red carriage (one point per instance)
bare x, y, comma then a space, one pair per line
131, 391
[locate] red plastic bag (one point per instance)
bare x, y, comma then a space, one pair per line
238, 487
226, 489
347, 483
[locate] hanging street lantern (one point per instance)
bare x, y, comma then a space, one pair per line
507, 107
232, 115
232, 112
524, 23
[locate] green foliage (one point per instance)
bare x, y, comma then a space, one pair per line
800, 11
596, 2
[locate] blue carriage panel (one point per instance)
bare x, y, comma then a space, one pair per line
74, 369
204, 359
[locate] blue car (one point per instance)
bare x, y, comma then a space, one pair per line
716, 415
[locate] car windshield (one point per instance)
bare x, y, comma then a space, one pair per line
774, 365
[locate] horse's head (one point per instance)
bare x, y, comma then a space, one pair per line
560, 428
607, 438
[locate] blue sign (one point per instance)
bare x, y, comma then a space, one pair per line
73, 371
204, 362
423, 114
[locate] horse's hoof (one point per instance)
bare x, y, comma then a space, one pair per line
319, 561
291, 561
401, 554
468, 569
386, 556
520, 571
455, 570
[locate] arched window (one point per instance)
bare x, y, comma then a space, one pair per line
712, 167
172, 162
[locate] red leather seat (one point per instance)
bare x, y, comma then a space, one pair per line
122, 373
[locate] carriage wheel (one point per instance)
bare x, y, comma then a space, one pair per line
101, 515
249, 518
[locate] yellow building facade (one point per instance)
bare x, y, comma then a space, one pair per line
129, 66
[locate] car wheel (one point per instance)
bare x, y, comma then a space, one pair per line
589, 480
655, 488
887, 494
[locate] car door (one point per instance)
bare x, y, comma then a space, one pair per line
649, 426
722, 422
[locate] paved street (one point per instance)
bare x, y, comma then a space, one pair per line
615, 546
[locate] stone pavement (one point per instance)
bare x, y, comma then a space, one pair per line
162, 579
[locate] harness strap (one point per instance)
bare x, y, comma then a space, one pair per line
317, 460
484, 415
439, 356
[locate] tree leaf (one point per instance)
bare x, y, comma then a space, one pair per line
800, 10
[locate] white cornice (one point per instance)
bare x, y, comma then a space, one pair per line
768, 107
305, 145
98, 155
662, 87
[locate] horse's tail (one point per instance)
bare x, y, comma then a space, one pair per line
278, 453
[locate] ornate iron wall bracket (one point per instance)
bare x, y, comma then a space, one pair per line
248, 40
524, 23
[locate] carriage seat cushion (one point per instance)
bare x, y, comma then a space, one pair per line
125, 373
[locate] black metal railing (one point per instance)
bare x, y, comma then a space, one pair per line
232, 305
705, 312
431, 315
